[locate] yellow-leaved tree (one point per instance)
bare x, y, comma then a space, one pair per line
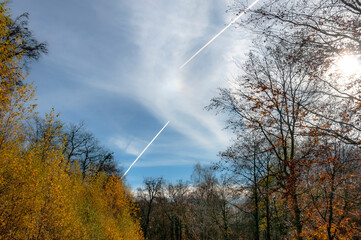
42, 196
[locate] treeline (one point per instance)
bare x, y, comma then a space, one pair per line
293, 170
207, 207
247, 202
56, 181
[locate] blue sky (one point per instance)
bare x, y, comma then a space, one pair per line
114, 65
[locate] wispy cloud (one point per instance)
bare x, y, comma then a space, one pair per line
166, 162
166, 33
129, 145
133, 49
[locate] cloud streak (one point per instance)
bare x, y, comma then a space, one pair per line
218, 34
145, 149
164, 33
164, 39
110, 58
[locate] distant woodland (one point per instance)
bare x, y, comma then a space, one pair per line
293, 170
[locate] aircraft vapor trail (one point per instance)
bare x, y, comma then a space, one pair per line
145, 149
184, 64
217, 35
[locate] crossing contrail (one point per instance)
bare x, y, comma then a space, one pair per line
217, 35
184, 64
145, 149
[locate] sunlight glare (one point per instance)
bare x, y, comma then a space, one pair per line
349, 65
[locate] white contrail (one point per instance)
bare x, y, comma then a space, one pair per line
145, 149
217, 35
190, 59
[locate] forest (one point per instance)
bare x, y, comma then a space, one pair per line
292, 171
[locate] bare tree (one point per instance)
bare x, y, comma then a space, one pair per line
323, 29
317, 34
146, 198
177, 208
270, 100
251, 167
82, 147
78, 144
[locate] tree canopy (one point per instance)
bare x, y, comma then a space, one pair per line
44, 195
